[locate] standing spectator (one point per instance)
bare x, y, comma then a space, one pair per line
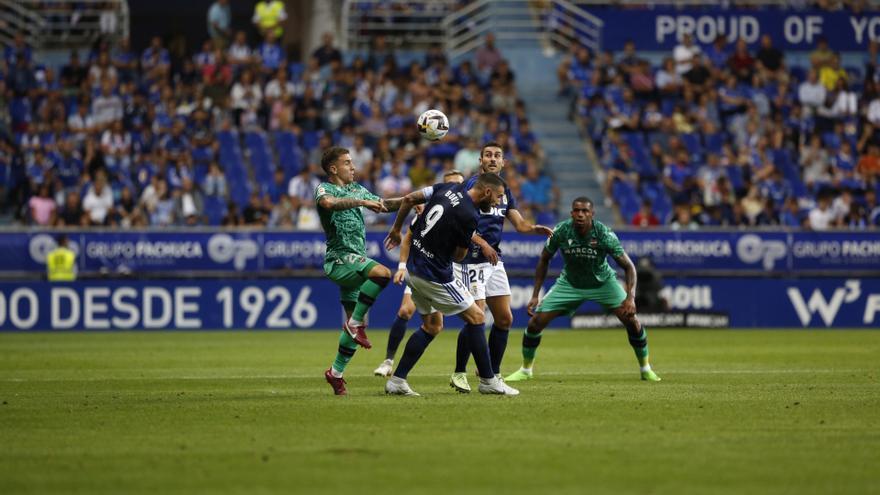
645, 216
43, 207
488, 56
830, 73
98, 201
268, 16
189, 208
326, 53
219, 19
684, 54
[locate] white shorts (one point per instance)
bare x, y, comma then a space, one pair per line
485, 280
450, 299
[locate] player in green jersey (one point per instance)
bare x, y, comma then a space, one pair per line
360, 279
586, 276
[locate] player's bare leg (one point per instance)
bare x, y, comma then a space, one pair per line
395, 336
531, 341
638, 339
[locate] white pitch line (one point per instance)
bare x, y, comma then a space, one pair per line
431, 375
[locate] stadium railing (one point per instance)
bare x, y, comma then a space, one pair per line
61, 23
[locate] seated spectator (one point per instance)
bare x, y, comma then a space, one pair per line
830, 73
214, 183
42, 207
107, 107
822, 216
254, 214
326, 53
98, 201
682, 219
239, 52
822, 55
71, 214
283, 213
272, 57
116, 146
869, 163
162, 212
791, 213
645, 216
770, 60
189, 208
684, 54
811, 93
396, 183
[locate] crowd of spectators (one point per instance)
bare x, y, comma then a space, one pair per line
232, 134
725, 135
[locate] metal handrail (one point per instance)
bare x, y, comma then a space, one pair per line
49, 25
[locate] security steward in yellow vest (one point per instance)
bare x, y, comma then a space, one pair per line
61, 262
269, 15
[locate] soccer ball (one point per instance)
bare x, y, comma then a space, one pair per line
433, 125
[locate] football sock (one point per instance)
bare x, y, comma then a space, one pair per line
462, 352
347, 346
639, 343
497, 346
370, 290
415, 346
530, 344
395, 336
476, 337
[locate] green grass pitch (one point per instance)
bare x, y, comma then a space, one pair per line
757, 412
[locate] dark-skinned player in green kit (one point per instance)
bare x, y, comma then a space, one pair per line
585, 243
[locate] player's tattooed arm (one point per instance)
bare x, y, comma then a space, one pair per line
629, 269
392, 204
523, 227
540, 276
337, 204
409, 201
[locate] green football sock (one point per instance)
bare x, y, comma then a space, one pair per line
640, 346
369, 292
530, 344
347, 346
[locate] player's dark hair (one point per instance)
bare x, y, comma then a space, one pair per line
582, 199
331, 155
61, 240
491, 144
490, 179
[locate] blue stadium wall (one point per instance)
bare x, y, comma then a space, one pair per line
271, 280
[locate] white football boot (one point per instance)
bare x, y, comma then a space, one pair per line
398, 386
385, 368
496, 386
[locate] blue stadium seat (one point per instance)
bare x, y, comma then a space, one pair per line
215, 209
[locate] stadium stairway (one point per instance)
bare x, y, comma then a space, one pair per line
568, 161
518, 32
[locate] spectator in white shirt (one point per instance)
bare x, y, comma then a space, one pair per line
246, 97
821, 217
301, 188
98, 201
81, 123
361, 155
873, 113
116, 146
684, 54
279, 86
107, 107
239, 51
811, 93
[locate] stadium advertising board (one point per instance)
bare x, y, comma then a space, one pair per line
760, 303
313, 304
266, 252
661, 29
201, 305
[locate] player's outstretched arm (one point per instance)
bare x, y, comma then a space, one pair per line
407, 204
392, 204
629, 269
540, 276
523, 227
337, 204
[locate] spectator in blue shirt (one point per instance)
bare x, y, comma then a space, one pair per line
155, 60
219, 18
17, 50
271, 54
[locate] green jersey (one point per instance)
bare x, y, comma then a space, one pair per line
586, 266
345, 230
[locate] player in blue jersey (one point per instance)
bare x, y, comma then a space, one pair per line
483, 268
441, 235
407, 307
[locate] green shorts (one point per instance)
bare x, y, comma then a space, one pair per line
349, 274
566, 299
